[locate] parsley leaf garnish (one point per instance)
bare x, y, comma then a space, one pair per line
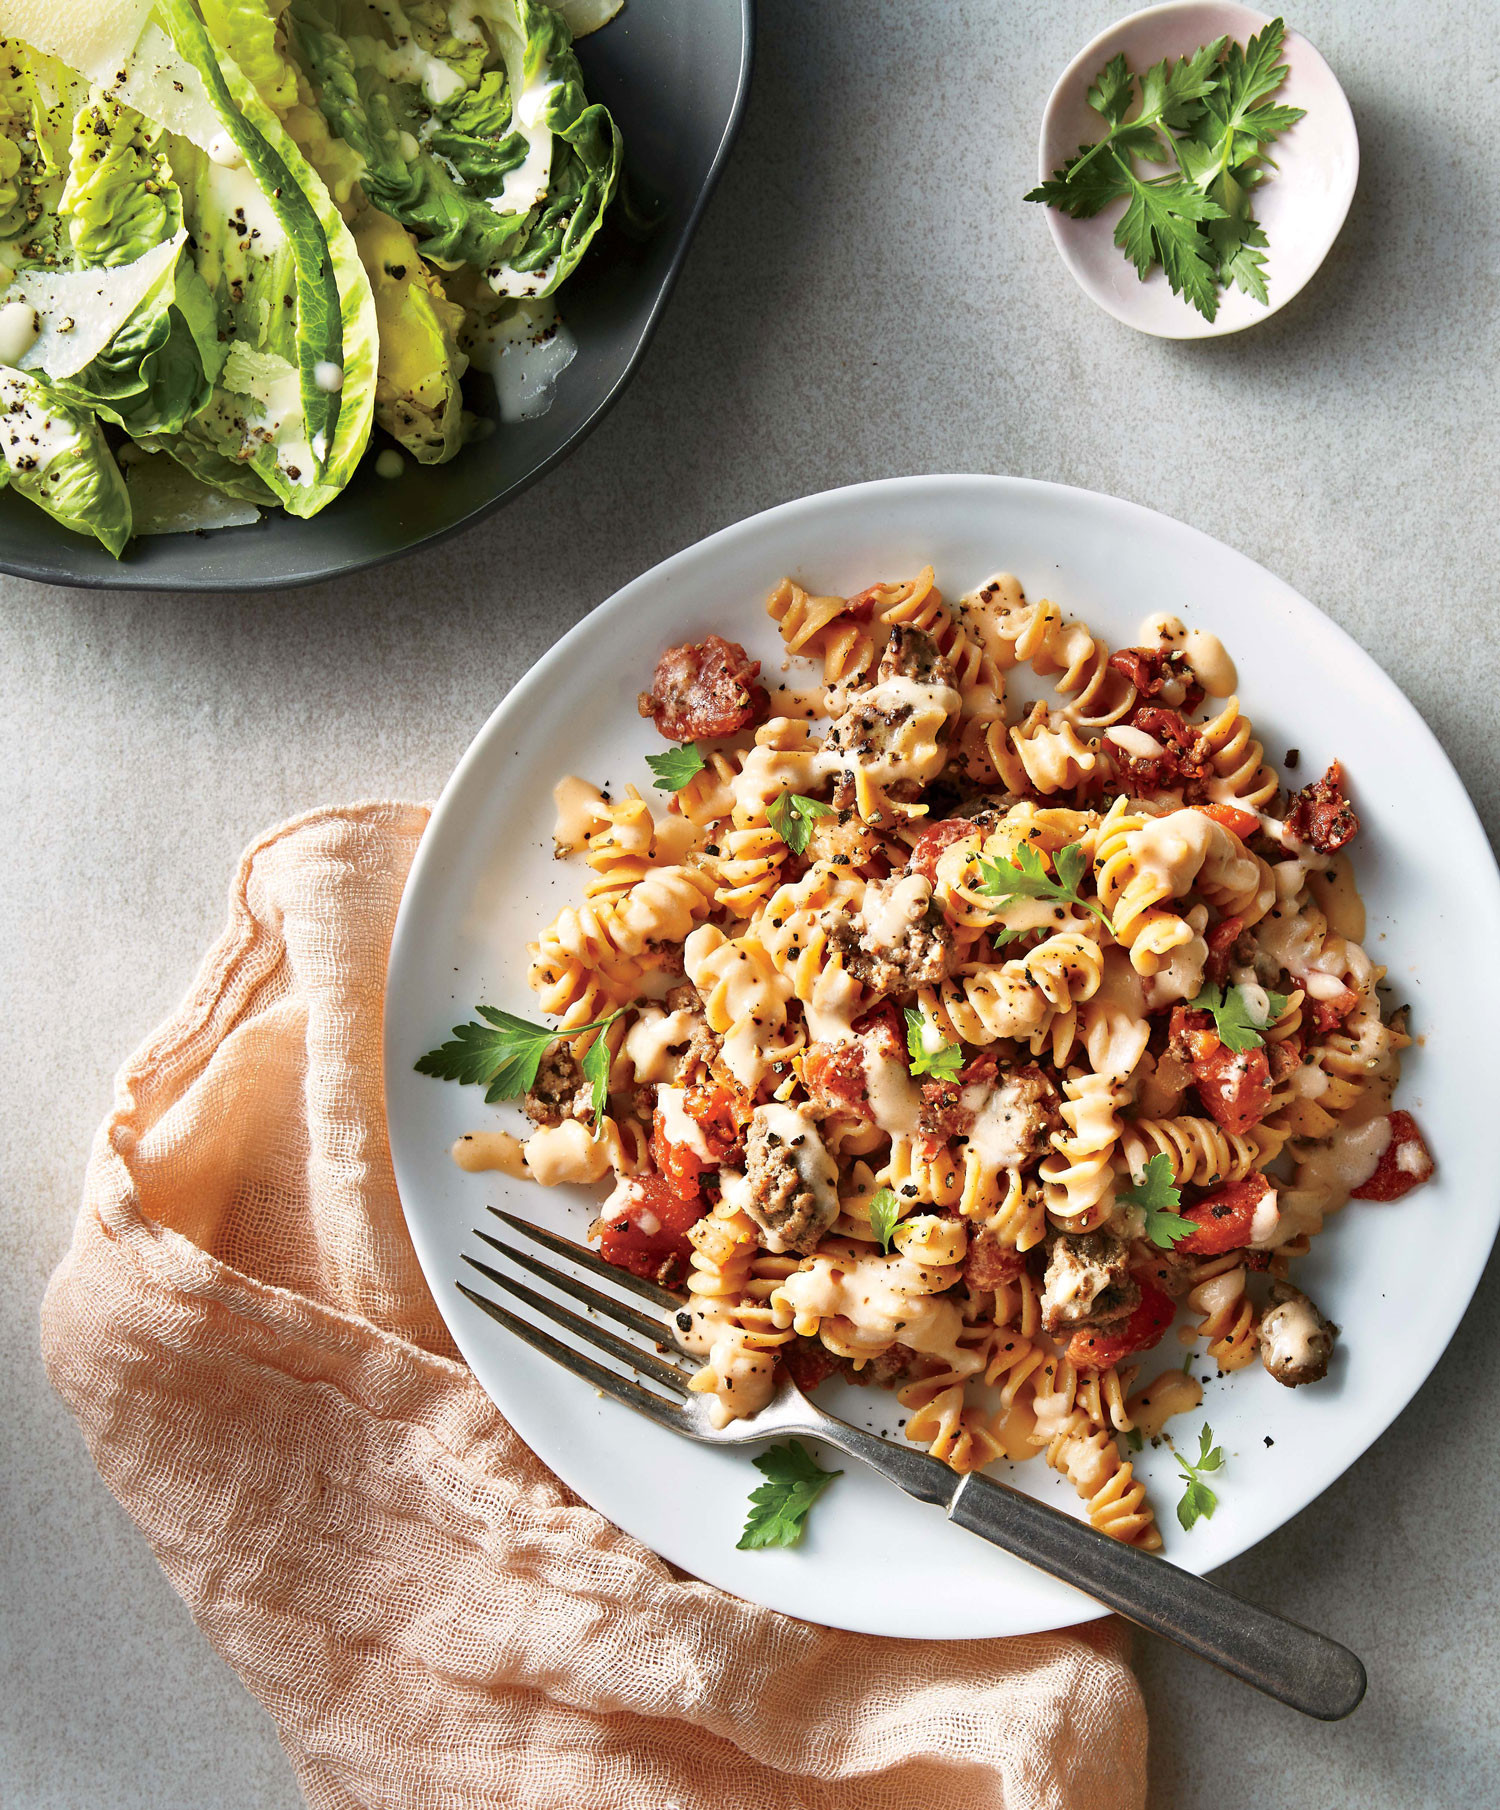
1198, 1500
1133, 1439
944, 1062
1155, 1192
1026, 878
1210, 113
503, 1054
676, 767
791, 816
1232, 1020
885, 1211
779, 1508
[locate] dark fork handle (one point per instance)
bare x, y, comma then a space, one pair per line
1291, 1663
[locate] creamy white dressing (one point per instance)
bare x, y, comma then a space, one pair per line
32, 434
389, 464
225, 152
19, 326
525, 352
328, 376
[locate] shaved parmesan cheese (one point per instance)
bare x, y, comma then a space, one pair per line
119, 47
80, 311
91, 38
166, 499
584, 16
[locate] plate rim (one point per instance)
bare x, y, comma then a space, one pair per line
1483, 879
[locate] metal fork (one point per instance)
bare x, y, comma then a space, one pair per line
1306, 1670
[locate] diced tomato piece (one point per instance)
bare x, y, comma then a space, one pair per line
931, 843
721, 1113
834, 1075
1239, 823
1322, 815
1234, 1086
1191, 1035
809, 1362
1221, 941
648, 1236
861, 606
1223, 1218
1328, 1014
1144, 1328
988, 1263
884, 1026
1404, 1164
679, 1165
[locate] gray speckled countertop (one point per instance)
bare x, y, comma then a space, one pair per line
867, 297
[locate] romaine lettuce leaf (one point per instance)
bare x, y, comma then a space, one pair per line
490, 156
119, 199
285, 272
417, 398
55, 455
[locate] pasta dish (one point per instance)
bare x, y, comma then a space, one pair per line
961, 1022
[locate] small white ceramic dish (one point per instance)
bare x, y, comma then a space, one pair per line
1396, 1278
1301, 207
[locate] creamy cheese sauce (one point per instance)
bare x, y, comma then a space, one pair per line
580, 812
479, 1150
895, 1099
1348, 1158
1205, 654
655, 1042
893, 908
816, 1169
1291, 1336
678, 1125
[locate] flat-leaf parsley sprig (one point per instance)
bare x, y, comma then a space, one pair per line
1025, 877
503, 1053
780, 1507
1210, 114
792, 817
1160, 1199
1198, 1500
1238, 1030
942, 1059
676, 768
885, 1215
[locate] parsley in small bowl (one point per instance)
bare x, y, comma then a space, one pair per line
1197, 161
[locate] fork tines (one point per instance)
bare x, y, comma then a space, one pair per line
656, 1366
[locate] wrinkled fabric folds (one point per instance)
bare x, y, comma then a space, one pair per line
433, 1620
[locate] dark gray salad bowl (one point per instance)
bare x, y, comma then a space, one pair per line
675, 74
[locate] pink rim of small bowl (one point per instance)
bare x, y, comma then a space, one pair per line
1302, 206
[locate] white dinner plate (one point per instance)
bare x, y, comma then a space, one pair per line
1395, 1277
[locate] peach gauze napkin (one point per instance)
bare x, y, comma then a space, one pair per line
432, 1619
